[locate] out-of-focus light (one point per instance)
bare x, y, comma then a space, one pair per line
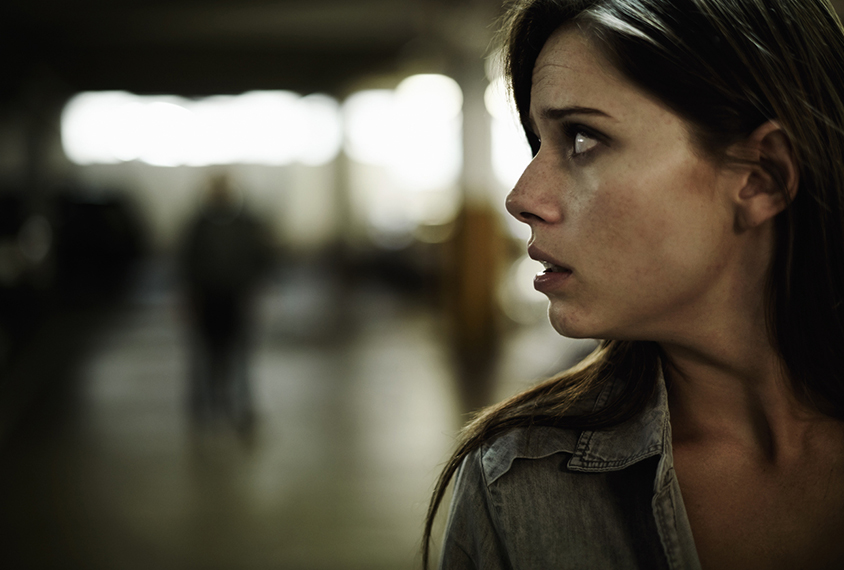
91, 126
323, 137
517, 296
510, 150
264, 127
496, 100
428, 233
414, 131
159, 119
368, 116
429, 151
414, 134
430, 96
259, 127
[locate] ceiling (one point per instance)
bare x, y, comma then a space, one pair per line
199, 47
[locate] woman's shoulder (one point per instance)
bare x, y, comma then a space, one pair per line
526, 497
537, 442
543, 448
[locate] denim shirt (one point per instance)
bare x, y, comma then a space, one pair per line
549, 498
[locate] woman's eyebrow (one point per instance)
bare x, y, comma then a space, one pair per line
557, 113
560, 113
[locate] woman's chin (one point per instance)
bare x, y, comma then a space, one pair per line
569, 326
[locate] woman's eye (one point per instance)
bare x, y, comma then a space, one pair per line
582, 143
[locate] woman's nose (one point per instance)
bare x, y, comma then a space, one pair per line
535, 198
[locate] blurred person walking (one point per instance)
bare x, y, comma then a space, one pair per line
225, 255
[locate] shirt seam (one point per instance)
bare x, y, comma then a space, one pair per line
668, 538
490, 508
645, 453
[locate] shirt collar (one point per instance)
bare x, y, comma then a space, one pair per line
645, 435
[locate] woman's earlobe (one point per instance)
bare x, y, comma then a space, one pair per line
773, 182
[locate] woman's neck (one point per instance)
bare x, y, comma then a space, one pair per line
736, 392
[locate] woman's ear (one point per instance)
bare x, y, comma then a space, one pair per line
773, 182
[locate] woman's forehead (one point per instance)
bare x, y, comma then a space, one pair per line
571, 49
570, 67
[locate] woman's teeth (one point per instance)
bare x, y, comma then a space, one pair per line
551, 268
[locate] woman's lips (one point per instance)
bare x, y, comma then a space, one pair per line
553, 277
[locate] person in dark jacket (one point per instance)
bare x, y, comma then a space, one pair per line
224, 258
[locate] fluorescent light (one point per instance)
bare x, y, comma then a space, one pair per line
407, 151
259, 127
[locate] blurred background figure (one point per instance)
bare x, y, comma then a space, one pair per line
224, 258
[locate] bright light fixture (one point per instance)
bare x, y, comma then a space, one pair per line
413, 136
415, 131
259, 127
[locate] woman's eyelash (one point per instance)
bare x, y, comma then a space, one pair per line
572, 130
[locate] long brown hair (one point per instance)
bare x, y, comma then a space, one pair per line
725, 67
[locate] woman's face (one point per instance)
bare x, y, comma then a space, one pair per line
635, 225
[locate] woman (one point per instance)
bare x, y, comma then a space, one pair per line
686, 199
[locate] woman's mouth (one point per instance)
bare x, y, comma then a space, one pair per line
552, 278
551, 268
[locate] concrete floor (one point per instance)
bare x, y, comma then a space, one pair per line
357, 410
